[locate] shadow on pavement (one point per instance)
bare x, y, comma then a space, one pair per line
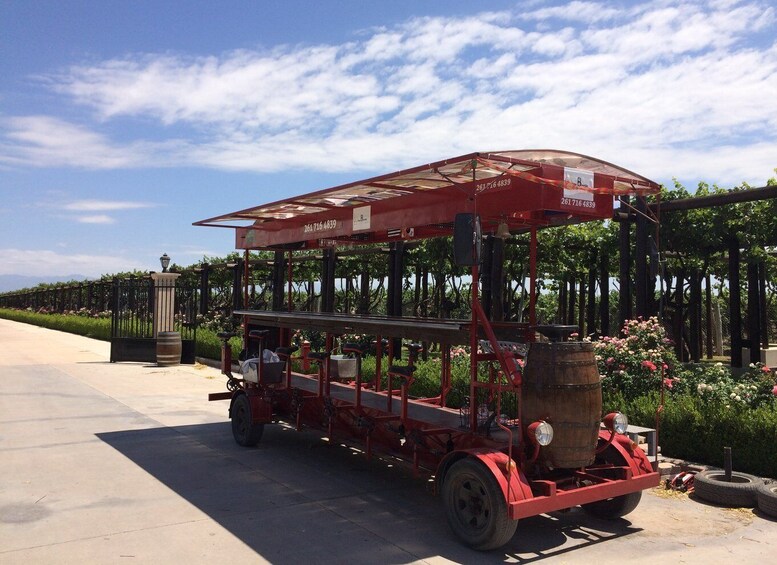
295, 498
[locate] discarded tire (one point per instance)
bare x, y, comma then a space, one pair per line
767, 499
713, 487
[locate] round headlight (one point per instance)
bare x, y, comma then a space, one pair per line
543, 433
620, 423
616, 422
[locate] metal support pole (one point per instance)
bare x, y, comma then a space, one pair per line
735, 303
237, 287
278, 268
708, 314
204, 288
328, 281
533, 277
394, 306
641, 247
753, 313
762, 304
591, 301
604, 287
486, 281
497, 280
694, 309
624, 274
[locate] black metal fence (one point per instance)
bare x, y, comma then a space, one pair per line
93, 296
140, 310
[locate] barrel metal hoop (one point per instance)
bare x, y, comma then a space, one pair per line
576, 387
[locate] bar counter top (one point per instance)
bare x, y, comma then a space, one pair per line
452, 332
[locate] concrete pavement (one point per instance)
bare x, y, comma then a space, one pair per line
121, 463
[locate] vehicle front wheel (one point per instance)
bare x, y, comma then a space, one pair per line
475, 506
245, 432
612, 508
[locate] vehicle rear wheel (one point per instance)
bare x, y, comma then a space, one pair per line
475, 506
612, 508
245, 432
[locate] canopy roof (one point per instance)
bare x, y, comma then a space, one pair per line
422, 201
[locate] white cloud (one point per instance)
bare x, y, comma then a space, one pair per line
45, 262
95, 219
46, 141
585, 12
657, 87
104, 205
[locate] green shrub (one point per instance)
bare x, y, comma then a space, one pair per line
97, 328
428, 380
209, 345
694, 429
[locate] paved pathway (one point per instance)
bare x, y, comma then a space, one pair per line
123, 463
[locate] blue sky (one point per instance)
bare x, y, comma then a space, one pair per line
121, 123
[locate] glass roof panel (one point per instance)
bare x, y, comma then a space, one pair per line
434, 176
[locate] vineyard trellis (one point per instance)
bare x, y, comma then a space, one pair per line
716, 251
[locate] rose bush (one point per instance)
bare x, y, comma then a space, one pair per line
716, 383
636, 362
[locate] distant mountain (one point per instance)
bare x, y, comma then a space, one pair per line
16, 282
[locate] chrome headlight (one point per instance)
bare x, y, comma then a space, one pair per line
616, 422
541, 432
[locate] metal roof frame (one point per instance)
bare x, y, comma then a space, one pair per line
503, 186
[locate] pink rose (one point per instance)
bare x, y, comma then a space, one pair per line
766, 369
774, 390
668, 383
649, 364
610, 360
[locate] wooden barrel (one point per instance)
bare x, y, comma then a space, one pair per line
561, 385
168, 349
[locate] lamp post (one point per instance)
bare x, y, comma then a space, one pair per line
165, 261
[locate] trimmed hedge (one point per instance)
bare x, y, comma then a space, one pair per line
96, 328
696, 430
208, 345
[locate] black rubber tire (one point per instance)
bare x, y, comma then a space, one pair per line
616, 507
245, 432
767, 499
740, 492
613, 508
475, 507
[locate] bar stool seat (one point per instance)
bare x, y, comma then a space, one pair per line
405, 371
286, 351
354, 348
318, 356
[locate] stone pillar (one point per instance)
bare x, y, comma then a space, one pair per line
164, 302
